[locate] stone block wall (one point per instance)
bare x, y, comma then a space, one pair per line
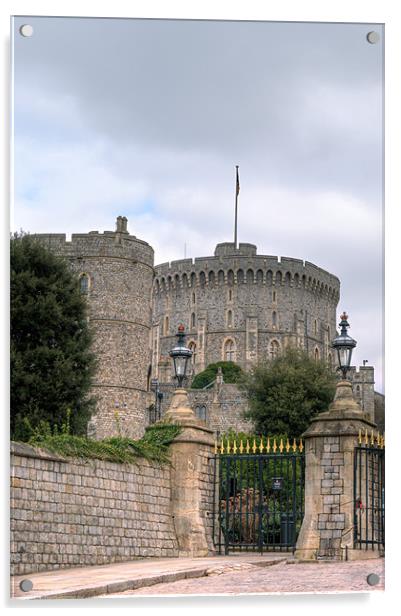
67, 513
207, 489
331, 523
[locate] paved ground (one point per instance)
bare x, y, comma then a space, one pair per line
94, 581
281, 578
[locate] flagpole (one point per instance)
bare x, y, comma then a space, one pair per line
236, 206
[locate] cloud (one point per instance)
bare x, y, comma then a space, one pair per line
148, 119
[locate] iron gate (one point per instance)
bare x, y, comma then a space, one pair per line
259, 501
369, 495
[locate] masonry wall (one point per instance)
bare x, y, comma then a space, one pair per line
67, 513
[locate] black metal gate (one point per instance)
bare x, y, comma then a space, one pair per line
369, 495
259, 501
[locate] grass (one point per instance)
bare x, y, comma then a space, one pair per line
153, 446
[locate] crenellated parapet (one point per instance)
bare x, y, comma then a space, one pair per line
244, 266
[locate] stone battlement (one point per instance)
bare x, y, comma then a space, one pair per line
117, 244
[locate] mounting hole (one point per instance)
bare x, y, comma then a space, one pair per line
25, 585
373, 37
26, 30
373, 579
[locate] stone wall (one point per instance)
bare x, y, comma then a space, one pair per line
223, 405
67, 513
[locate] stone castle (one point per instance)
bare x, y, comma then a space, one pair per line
235, 305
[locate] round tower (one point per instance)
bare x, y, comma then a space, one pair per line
241, 306
115, 272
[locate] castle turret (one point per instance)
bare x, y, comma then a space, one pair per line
240, 306
116, 274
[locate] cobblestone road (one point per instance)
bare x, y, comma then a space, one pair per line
280, 578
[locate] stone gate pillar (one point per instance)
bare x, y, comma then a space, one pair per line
327, 527
192, 479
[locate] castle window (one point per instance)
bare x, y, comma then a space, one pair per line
193, 298
229, 350
230, 277
274, 349
249, 276
274, 296
230, 295
315, 327
330, 359
211, 278
259, 276
200, 412
192, 347
220, 277
202, 279
317, 354
229, 318
193, 279
274, 318
240, 276
193, 320
84, 284
166, 326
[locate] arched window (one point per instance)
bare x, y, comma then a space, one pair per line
269, 277
274, 318
330, 359
229, 318
229, 350
220, 277
274, 349
193, 320
259, 276
193, 279
230, 277
200, 412
184, 280
84, 284
202, 279
192, 347
211, 278
317, 354
315, 327
279, 278
249, 276
240, 276
288, 278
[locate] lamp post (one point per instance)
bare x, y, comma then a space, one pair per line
344, 346
180, 409
180, 355
156, 414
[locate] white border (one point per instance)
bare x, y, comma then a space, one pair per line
379, 11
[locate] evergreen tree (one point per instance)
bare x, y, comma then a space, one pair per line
232, 373
286, 392
51, 360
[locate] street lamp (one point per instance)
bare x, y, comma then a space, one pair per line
180, 354
344, 346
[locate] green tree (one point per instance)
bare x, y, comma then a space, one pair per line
51, 360
286, 392
232, 373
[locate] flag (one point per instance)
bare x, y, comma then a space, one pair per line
237, 182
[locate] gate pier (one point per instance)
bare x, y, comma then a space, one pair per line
344, 489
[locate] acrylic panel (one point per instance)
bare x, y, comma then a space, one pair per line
212, 192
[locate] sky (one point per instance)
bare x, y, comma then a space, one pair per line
148, 118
